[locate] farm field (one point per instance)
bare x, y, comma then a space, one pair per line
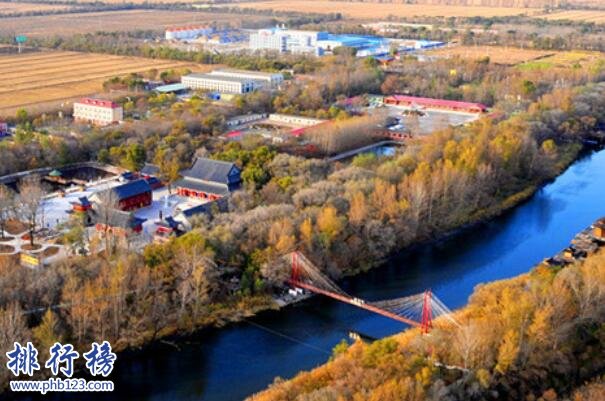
382, 10
10, 7
498, 55
576, 59
596, 16
42, 79
110, 21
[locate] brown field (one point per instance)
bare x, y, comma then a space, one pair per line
382, 10
40, 79
10, 7
111, 21
498, 55
596, 16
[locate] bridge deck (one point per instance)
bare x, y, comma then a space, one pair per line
354, 302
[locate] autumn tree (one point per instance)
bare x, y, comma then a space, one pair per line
329, 224
47, 332
358, 210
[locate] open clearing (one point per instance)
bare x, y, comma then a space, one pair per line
381, 10
39, 79
112, 21
574, 59
496, 54
596, 16
10, 7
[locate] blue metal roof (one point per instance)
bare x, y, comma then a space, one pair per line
171, 88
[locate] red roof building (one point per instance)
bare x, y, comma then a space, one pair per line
439, 104
97, 111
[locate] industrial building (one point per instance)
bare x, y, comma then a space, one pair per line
187, 32
286, 40
272, 79
295, 41
97, 111
232, 81
435, 104
318, 42
220, 83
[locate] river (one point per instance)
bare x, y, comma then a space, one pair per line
234, 362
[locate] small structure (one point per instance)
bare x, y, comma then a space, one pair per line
209, 179
436, 104
171, 88
384, 60
128, 196
3, 129
150, 173
98, 111
82, 205
166, 229
57, 177
149, 170
185, 218
30, 260
121, 226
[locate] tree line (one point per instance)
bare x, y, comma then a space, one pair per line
536, 336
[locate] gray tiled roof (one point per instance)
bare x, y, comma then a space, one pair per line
122, 191
150, 169
115, 218
205, 207
207, 187
210, 170
131, 188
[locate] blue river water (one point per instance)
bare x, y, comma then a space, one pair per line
234, 362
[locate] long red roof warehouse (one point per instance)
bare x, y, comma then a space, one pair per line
436, 103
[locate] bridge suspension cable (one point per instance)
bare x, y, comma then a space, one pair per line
416, 310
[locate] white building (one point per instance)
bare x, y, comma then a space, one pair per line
286, 40
272, 79
222, 84
269, 39
299, 121
244, 119
97, 111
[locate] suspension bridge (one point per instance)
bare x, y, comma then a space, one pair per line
419, 310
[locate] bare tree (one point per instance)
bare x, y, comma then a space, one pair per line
7, 207
340, 135
107, 204
198, 277
30, 198
466, 342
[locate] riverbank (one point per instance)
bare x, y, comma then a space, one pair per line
501, 345
297, 338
